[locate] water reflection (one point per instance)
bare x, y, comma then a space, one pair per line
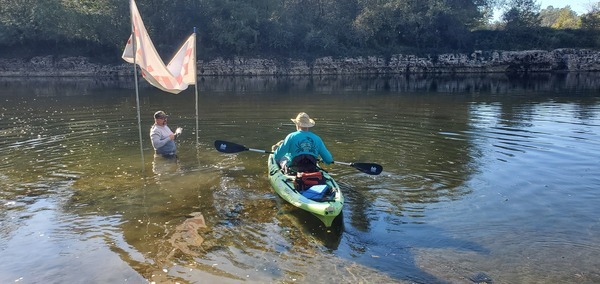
164, 166
477, 170
459, 83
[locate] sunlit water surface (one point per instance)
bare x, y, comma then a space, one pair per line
486, 178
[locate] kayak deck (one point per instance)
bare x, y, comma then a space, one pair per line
283, 184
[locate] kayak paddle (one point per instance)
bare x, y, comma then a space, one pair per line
367, 168
230, 147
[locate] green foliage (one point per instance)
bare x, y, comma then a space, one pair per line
559, 18
591, 20
289, 28
549, 15
567, 19
35, 26
522, 14
538, 38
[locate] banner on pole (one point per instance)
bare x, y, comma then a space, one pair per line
174, 77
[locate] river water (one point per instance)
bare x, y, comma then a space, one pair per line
486, 178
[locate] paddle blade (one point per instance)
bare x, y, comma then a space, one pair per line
229, 147
368, 168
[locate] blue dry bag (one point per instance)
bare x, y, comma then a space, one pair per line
317, 192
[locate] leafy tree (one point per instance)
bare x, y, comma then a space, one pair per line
567, 19
522, 14
591, 20
548, 16
39, 19
289, 28
559, 18
419, 24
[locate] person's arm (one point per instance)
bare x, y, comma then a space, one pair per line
324, 153
281, 150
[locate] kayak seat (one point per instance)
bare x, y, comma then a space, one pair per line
304, 163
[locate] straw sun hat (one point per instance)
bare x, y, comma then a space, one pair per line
303, 120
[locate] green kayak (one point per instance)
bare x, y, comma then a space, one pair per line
326, 207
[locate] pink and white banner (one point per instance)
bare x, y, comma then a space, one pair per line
173, 78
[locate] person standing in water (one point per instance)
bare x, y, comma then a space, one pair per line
163, 139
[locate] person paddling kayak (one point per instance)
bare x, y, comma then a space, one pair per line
301, 149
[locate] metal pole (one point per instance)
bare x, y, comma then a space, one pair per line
137, 94
196, 86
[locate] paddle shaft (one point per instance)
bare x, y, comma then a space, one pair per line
230, 147
367, 168
259, 151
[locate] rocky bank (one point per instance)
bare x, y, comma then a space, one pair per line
570, 60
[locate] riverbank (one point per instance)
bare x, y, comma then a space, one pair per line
565, 60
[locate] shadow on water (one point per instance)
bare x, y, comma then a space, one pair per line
385, 242
164, 166
309, 225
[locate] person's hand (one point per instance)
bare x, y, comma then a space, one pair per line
172, 136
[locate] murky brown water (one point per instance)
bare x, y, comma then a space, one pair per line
484, 176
